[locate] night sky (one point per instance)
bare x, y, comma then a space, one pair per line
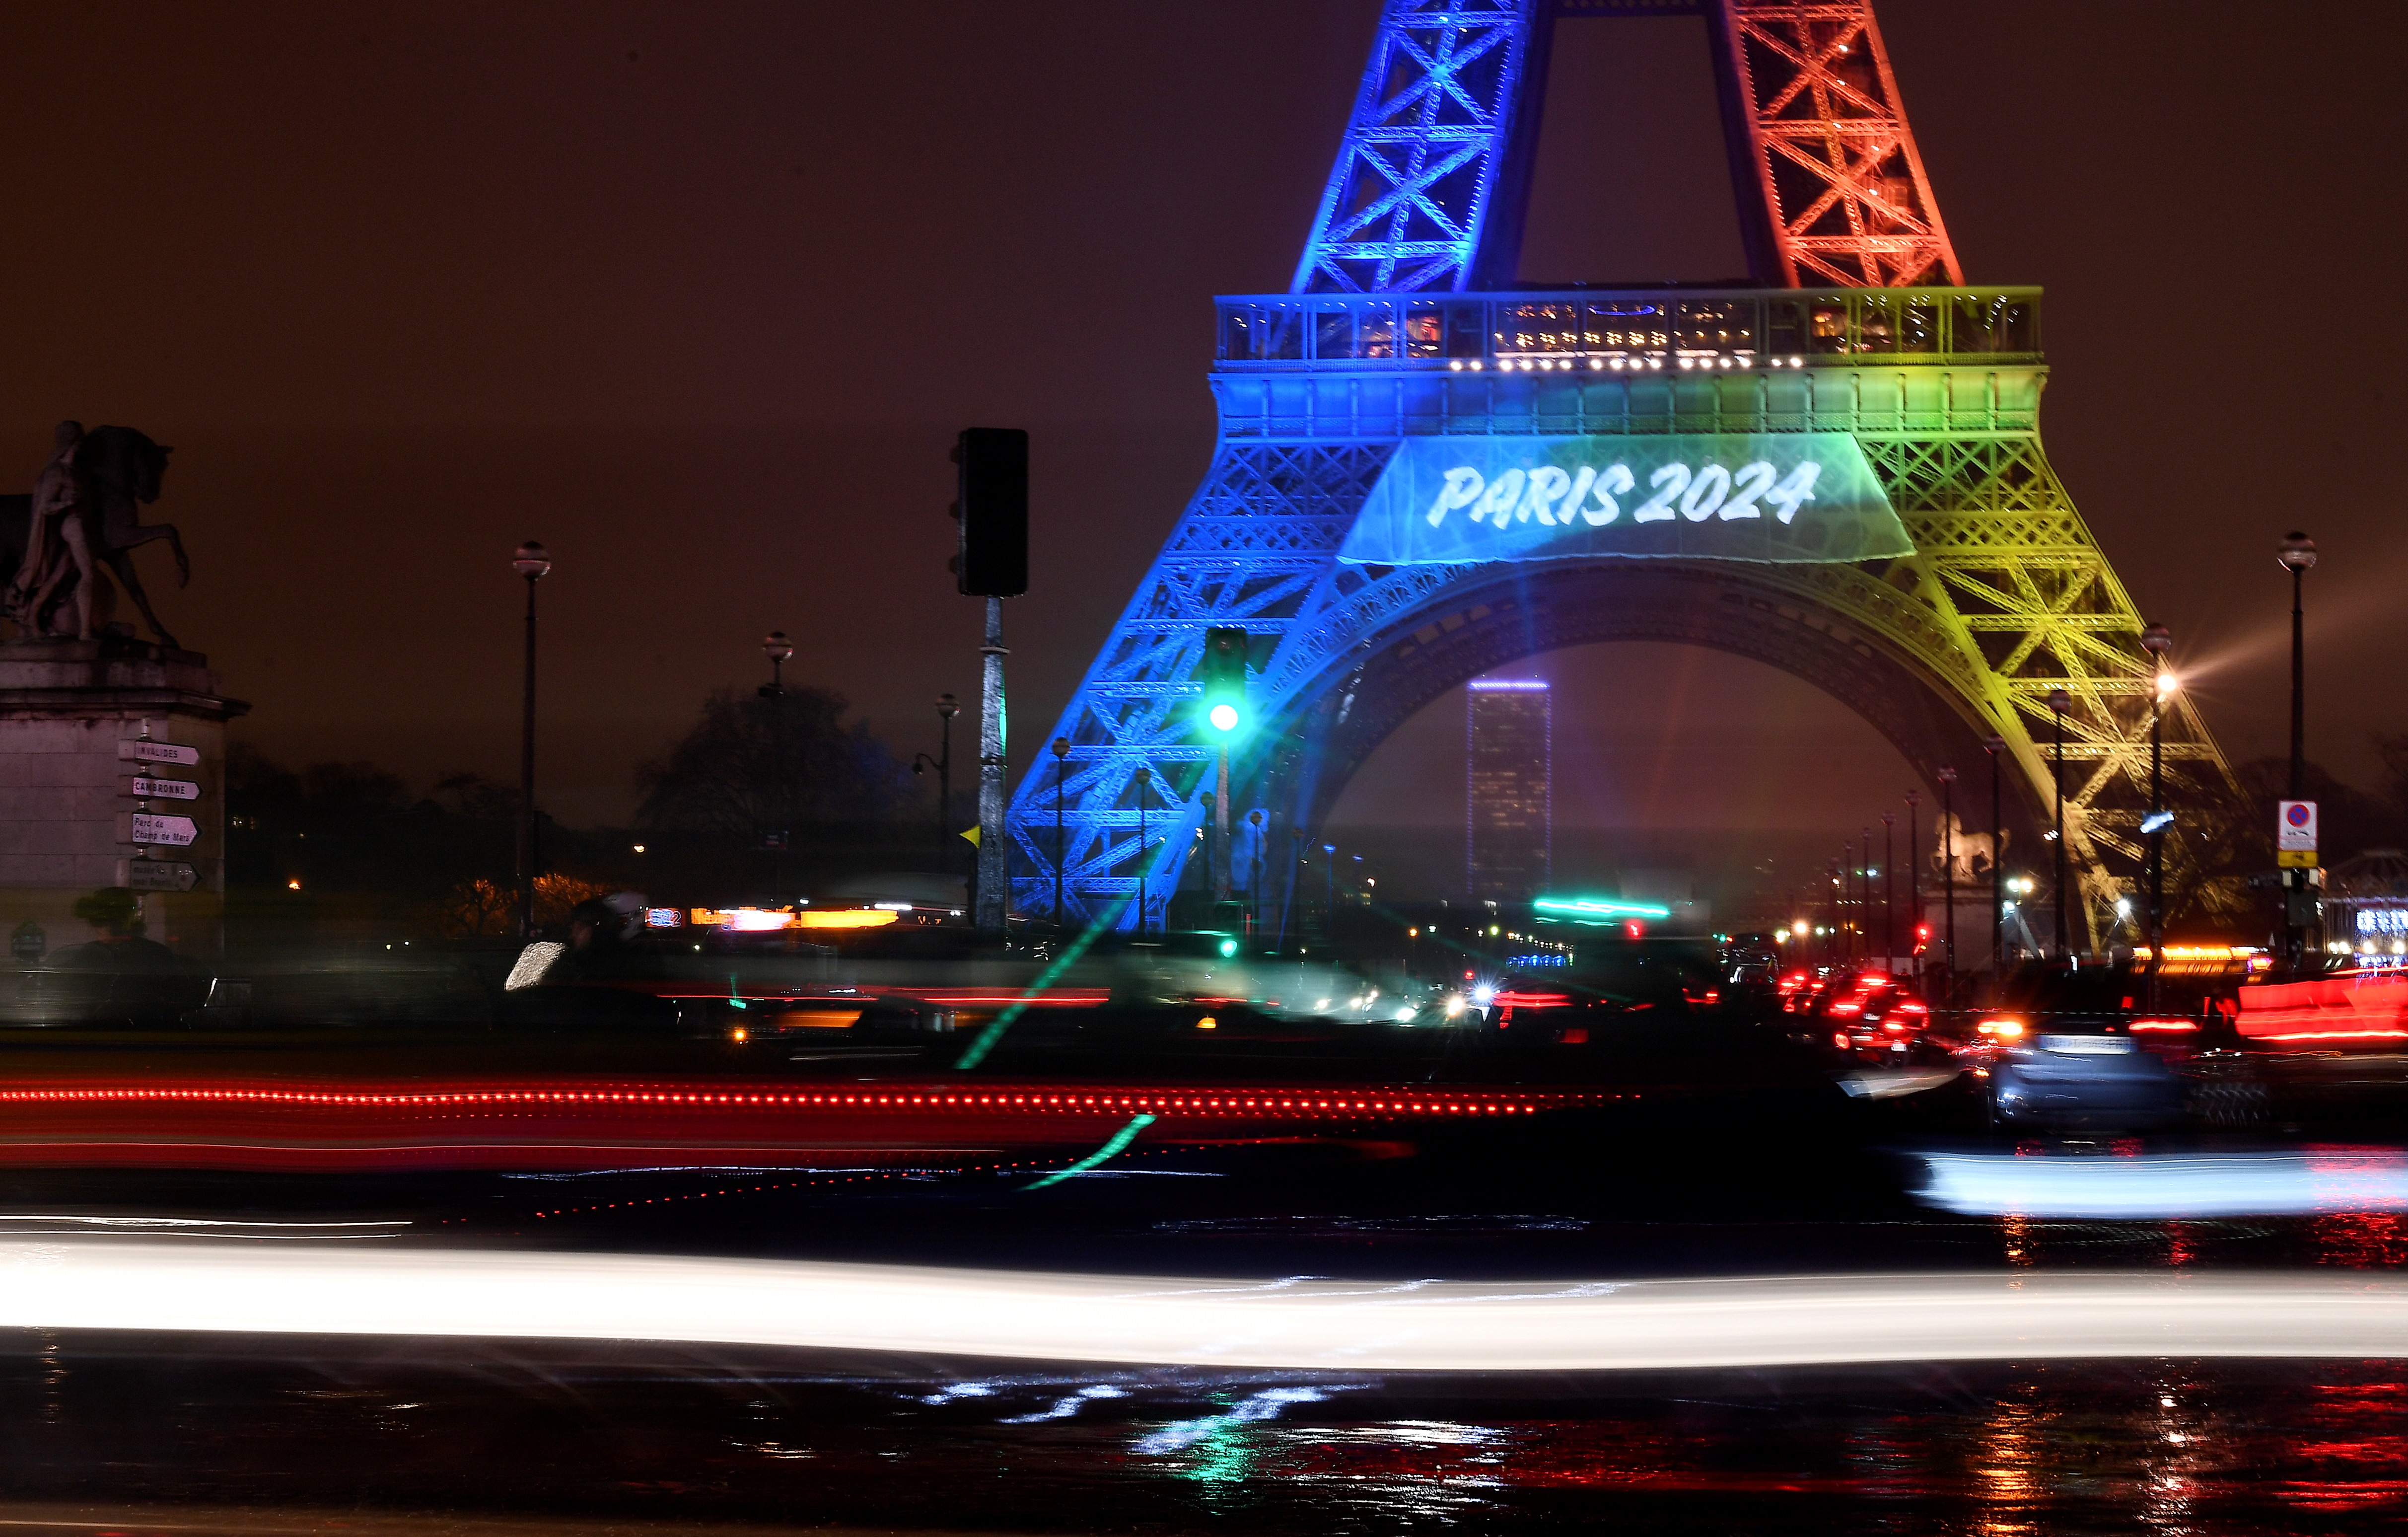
698, 295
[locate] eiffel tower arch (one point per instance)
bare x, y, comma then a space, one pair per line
1423, 473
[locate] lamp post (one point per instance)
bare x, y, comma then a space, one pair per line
1865, 889
1890, 892
1061, 768
2297, 554
1144, 781
776, 648
531, 562
1996, 746
1329, 891
2059, 701
947, 708
1947, 777
2156, 640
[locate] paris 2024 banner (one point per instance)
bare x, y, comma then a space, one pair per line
1780, 497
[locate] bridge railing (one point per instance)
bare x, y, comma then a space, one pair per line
1631, 329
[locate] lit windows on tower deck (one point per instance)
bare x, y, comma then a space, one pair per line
1600, 331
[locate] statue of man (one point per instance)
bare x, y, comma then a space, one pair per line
54, 541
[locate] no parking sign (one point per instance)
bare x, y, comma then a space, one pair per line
2295, 834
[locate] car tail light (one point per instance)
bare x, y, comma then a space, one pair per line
1847, 1008
1840, 1039
2002, 1030
1911, 1007
2171, 1026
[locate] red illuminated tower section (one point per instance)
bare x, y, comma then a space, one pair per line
1843, 186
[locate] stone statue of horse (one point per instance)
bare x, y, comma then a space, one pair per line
1975, 857
117, 470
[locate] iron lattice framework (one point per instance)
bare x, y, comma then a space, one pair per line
1843, 185
1409, 203
2006, 598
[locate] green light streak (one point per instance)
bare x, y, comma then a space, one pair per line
1120, 1139
1004, 1021
1600, 906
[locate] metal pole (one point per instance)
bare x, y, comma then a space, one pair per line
1948, 865
1865, 891
2299, 694
2057, 710
1221, 871
1061, 766
1914, 883
1209, 862
526, 778
945, 785
1994, 746
1144, 777
2157, 840
1255, 885
1890, 892
994, 877
1329, 891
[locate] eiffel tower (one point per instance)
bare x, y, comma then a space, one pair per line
1390, 425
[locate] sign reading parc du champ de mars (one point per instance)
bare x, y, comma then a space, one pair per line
1772, 497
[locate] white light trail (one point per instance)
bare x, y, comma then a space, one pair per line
1293, 1323
2170, 1187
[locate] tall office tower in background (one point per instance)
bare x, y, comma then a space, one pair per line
1508, 810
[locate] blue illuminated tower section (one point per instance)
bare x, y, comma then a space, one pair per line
1508, 789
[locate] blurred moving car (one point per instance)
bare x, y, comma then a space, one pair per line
2098, 1079
1868, 1016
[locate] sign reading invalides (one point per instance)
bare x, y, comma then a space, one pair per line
143, 750
1770, 496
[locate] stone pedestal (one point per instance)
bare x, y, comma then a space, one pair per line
67, 781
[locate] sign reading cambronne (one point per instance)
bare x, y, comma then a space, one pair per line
1786, 497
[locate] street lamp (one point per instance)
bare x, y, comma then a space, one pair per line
2297, 553
947, 708
2156, 640
1947, 777
1329, 891
1061, 768
776, 648
531, 562
2059, 701
1996, 746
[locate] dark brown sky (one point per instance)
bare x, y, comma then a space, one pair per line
698, 293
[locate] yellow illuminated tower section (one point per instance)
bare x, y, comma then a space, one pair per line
1507, 806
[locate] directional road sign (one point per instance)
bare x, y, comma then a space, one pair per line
159, 751
161, 875
143, 828
144, 786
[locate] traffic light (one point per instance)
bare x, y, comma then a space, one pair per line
1224, 681
992, 507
